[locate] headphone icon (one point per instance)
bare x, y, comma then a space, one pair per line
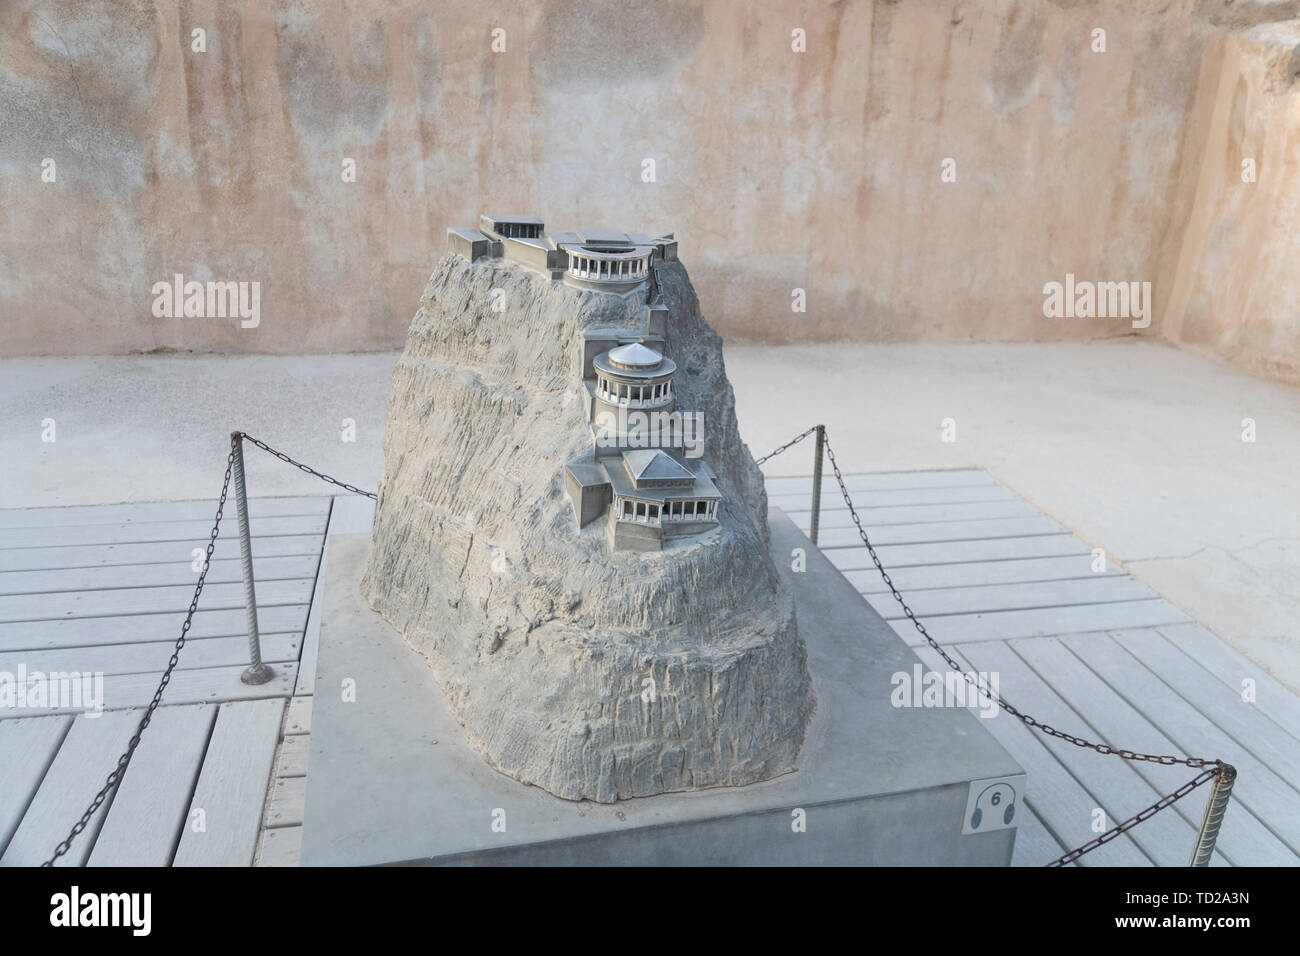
996, 799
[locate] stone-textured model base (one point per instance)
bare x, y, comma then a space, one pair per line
393, 780
595, 674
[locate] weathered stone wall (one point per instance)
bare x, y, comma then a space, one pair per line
1231, 272
818, 170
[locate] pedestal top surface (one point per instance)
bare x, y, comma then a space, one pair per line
391, 777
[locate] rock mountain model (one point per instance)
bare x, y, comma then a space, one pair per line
592, 671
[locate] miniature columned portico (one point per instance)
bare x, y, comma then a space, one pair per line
633, 396
656, 512
634, 376
601, 260
586, 265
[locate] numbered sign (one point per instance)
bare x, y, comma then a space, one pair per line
994, 803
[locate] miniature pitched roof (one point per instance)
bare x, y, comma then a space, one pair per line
652, 463
635, 355
530, 220
618, 471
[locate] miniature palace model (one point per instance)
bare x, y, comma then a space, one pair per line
596, 613
645, 470
551, 540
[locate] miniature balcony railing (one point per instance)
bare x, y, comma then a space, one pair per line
710, 514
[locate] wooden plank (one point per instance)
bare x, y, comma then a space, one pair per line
1034, 844
312, 631
352, 514
959, 552
1225, 707
288, 795
231, 789
141, 511
1005, 597
27, 748
293, 756
128, 629
1266, 794
147, 814
55, 580
1244, 840
839, 517
884, 480
1064, 806
150, 600
979, 573
1273, 698
832, 499
81, 535
151, 657
299, 718
1119, 789
1043, 622
166, 552
988, 528
89, 753
205, 685
280, 847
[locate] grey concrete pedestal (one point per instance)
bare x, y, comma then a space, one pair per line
391, 778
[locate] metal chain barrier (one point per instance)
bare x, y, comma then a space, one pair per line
1170, 798
124, 761
1219, 771
792, 442
301, 467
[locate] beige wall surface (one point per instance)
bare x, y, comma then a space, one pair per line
820, 170
1232, 269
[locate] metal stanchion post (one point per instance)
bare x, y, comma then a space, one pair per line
1215, 807
817, 484
257, 672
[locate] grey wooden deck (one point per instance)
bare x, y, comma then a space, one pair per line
1007, 590
105, 589
220, 776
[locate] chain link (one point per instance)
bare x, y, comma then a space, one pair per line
301, 467
792, 442
1196, 762
124, 761
1151, 811
1216, 766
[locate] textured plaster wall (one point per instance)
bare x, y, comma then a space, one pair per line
1232, 276
818, 170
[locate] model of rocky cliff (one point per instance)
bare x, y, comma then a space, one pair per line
592, 671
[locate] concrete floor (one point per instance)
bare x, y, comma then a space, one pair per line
1134, 445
